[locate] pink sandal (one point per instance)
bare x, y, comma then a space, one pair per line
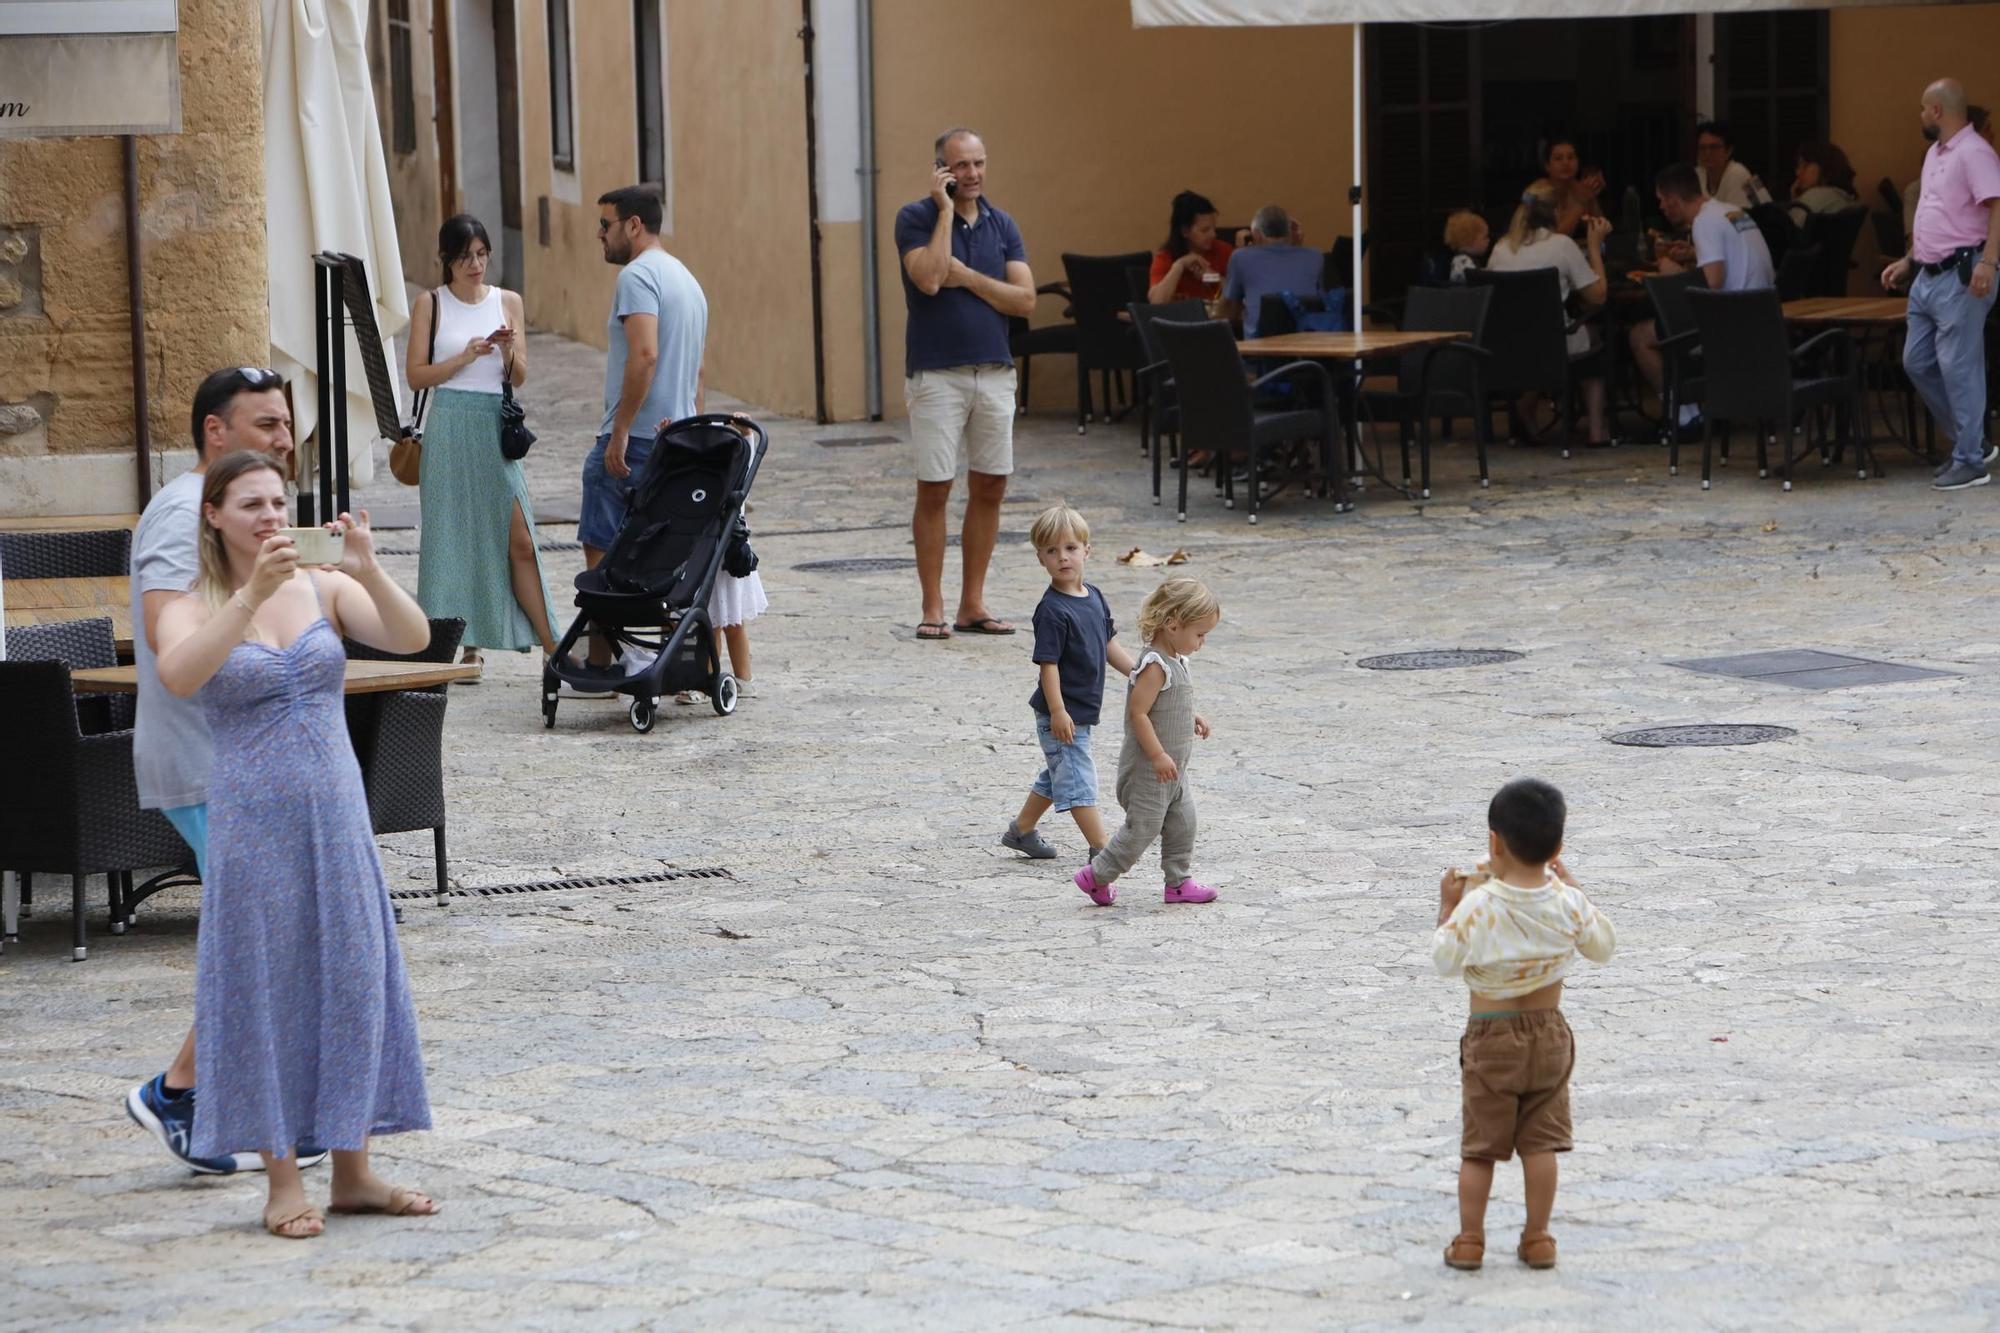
1189, 891
1102, 894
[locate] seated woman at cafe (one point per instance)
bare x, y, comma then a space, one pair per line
1532, 242
1192, 251
1823, 181
1577, 192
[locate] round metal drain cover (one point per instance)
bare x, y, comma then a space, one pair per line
1703, 733
1439, 658
868, 564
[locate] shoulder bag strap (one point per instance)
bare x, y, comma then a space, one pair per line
423, 397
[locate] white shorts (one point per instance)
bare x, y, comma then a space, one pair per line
962, 415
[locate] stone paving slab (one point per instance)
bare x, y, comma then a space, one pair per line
888, 1075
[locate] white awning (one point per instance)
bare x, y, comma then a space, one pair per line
1299, 13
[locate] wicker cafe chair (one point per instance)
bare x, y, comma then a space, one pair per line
1528, 331
1442, 381
68, 802
1159, 398
1680, 355
1100, 287
66, 555
399, 739
1219, 413
78, 645
1754, 376
1028, 341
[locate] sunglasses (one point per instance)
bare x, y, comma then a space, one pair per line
259, 377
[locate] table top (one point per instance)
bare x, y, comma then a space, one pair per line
363, 677
52, 601
68, 522
1848, 310
1344, 346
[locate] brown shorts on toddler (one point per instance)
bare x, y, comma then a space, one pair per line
1516, 1076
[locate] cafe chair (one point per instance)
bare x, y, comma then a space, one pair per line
1753, 376
106, 553
1218, 409
1680, 355
78, 645
1100, 288
1444, 381
1027, 341
1833, 235
398, 738
69, 803
1780, 233
1528, 334
1159, 396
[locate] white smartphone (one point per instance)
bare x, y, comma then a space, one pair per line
317, 546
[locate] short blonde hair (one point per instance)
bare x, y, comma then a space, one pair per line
1462, 229
1057, 522
1183, 599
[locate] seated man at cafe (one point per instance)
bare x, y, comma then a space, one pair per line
1274, 263
1724, 243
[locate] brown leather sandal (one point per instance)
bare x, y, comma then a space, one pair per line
402, 1203
276, 1224
1466, 1251
1537, 1249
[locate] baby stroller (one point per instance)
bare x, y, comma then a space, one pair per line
683, 525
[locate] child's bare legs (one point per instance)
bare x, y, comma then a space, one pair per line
737, 638
1538, 1175
1475, 1185
287, 1197
1032, 811
356, 1187
1089, 824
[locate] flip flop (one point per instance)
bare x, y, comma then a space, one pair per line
276, 1226
984, 625
401, 1203
939, 631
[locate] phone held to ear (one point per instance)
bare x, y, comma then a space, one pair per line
317, 546
950, 186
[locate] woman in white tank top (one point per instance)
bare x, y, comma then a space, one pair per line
479, 560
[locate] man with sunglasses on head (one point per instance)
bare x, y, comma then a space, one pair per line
241, 407
652, 363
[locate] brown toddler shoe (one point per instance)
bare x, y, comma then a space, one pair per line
1466, 1251
1537, 1250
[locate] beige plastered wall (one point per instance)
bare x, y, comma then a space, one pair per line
1879, 63
415, 195
736, 86
66, 428
1091, 127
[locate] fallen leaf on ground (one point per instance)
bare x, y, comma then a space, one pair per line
1772, 526
1718, 1039
1140, 557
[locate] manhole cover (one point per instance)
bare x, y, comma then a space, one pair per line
1703, 733
1439, 658
867, 564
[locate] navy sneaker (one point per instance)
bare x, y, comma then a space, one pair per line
310, 1154
171, 1121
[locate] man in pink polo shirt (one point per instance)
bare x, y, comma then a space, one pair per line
1954, 252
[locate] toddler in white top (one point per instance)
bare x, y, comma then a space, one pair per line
1513, 930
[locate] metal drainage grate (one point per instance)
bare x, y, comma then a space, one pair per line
559, 885
867, 564
1702, 733
855, 441
540, 546
1437, 659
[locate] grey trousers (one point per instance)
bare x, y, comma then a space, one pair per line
1153, 809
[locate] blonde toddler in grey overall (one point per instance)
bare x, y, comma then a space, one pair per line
1161, 727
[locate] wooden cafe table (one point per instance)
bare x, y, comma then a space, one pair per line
1874, 320
363, 677
51, 601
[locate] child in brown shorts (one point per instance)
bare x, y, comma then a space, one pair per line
1513, 929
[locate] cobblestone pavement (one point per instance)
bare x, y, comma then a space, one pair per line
885, 1074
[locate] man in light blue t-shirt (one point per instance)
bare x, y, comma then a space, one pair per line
1274, 262
652, 364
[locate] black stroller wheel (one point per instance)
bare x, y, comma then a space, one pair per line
723, 694
642, 714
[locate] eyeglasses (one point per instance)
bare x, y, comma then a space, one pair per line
604, 225
259, 377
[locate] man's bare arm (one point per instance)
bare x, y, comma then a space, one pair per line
1013, 295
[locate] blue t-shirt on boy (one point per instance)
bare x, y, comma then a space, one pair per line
1075, 633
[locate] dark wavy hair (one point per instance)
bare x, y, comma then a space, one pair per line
1834, 168
455, 240
1187, 207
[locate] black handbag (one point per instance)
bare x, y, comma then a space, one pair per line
515, 437
739, 561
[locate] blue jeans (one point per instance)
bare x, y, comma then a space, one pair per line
606, 497
1069, 775
1945, 357
191, 822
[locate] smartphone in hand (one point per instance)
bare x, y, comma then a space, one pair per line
317, 546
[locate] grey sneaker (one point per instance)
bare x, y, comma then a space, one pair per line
1992, 457
1030, 844
1960, 476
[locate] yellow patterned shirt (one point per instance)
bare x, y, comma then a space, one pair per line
1508, 941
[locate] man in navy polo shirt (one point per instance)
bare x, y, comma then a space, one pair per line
965, 273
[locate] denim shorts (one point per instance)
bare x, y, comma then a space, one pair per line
1069, 775
605, 497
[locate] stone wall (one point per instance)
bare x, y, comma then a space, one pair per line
66, 427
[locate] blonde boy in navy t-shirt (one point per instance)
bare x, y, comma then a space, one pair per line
1075, 638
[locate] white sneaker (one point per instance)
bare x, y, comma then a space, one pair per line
744, 689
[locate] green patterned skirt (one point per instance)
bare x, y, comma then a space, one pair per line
468, 495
